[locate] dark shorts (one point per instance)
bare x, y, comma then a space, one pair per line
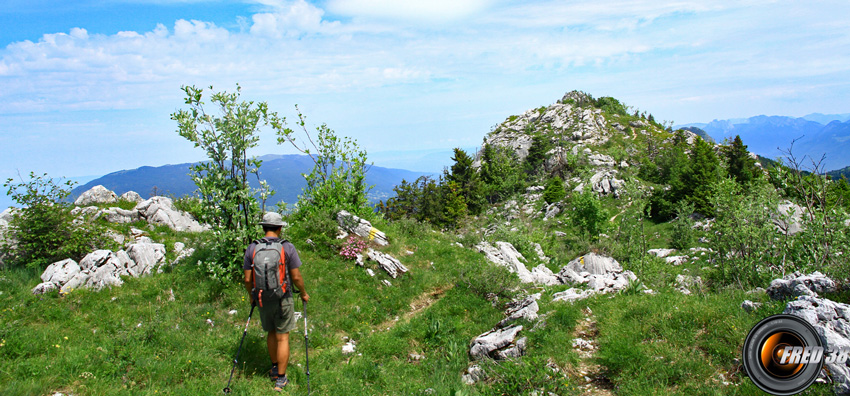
279, 318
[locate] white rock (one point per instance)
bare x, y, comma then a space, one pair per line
97, 194
388, 263
349, 347
676, 260
44, 288
60, 272
361, 227
132, 196
662, 253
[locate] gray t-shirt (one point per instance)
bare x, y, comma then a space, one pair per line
290, 257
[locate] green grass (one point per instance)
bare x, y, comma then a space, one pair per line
672, 344
132, 340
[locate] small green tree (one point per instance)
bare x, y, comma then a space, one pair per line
467, 180
704, 172
44, 230
540, 145
588, 214
228, 202
740, 165
501, 173
337, 181
454, 204
554, 190
683, 233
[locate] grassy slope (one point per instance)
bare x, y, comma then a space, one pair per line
133, 340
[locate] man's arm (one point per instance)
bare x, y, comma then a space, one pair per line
298, 281
249, 283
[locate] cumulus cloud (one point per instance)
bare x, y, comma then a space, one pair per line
294, 46
410, 10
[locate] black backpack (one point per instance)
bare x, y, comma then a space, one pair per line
271, 279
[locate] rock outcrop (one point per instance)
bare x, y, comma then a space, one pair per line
132, 196
831, 321
600, 274
566, 119
388, 263
353, 224
102, 268
788, 218
97, 194
797, 284
498, 344
160, 210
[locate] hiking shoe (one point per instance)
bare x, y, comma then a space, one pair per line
281, 382
273, 372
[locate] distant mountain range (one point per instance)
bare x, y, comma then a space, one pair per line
283, 173
817, 134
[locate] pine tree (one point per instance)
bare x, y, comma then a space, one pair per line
501, 173
536, 154
467, 179
740, 165
554, 191
704, 172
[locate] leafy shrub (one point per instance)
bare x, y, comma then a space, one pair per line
315, 231
554, 191
44, 231
588, 215
683, 233
489, 279
337, 180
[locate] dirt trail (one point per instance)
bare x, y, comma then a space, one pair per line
588, 372
419, 304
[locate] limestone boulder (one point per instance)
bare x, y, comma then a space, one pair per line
662, 253
118, 215
145, 257
160, 210
831, 321
132, 196
388, 263
362, 227
595, 264
605, 182
524, 308
60, 272
96, 195
498, 344
599, 274
788, 218
797, 284
44, 288
506, 255
78, 281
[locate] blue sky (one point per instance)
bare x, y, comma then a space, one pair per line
86, 87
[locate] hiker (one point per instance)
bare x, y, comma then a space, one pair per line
277, 312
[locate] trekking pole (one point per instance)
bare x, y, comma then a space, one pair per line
226, 389
306, 346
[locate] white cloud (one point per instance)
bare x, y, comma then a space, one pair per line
292, 46
409, 10
291, 19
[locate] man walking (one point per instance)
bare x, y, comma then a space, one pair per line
277, 312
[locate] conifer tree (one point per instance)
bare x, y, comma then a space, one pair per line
554, 191
467, 179
704, 172
740, 165
536, 154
